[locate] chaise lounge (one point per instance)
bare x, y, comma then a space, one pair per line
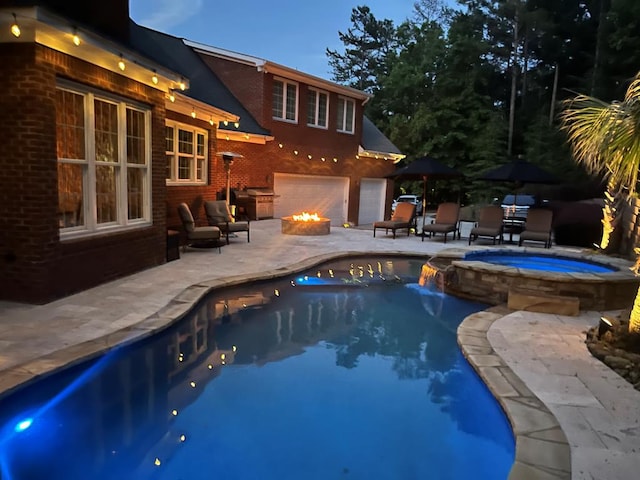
446, 221
403, 217
489, 224
537, 227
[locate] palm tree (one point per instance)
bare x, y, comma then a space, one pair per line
605, 138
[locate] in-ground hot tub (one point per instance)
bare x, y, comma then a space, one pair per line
598, 281
305, 224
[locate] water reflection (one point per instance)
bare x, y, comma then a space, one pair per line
123, 414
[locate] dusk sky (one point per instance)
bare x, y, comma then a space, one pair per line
293, 33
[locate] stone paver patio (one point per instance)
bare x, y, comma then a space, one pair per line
537, 365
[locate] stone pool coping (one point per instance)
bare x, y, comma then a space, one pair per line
542, 449
622, 265
522, 409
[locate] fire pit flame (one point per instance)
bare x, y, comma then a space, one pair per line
306, 217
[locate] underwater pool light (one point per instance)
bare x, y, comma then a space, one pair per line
23, 425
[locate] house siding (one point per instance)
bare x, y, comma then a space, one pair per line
36, 266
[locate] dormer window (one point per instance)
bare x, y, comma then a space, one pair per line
317, 108
346, 115
285, 100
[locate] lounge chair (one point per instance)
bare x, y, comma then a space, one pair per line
218, 215
197, 235
403, 217
537, 227
446, 221
489, 224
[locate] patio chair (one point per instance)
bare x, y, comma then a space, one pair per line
197, 235
489, 224
537, 227
446, 221
403, 217
219, 215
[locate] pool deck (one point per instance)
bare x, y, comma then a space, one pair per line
536, 364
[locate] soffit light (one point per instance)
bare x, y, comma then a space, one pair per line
15, 28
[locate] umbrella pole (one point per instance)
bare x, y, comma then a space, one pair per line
424, 200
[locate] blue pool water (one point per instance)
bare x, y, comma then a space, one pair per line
546, 263
350, 371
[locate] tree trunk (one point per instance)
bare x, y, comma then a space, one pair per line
634, 318
554, 94
514, 84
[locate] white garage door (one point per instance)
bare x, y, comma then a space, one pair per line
372, 196
326, 196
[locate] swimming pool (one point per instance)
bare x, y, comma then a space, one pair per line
547, 263
350, 370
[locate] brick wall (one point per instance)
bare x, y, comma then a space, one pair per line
253, 89
35, 265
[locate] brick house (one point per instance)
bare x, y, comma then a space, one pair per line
326, 156
108, 126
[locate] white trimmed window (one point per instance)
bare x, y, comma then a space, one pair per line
103, 153
186, 148
285, 100
317, 108
346, 109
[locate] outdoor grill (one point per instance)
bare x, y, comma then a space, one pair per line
257, 202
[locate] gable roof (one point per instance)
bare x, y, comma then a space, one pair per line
204, 85
267, 66
375, 144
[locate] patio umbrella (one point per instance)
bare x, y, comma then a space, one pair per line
518, 171
425, 168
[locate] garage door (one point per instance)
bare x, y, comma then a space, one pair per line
372, 196
326, 196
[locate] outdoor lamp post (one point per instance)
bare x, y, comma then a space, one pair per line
227, 158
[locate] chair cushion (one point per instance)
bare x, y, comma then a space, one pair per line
391, 224
439, 227
204, 233
539, 236
234, 227
486, 231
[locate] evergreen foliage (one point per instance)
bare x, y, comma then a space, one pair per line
464, 84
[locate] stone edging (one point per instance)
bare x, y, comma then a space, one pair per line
542, 449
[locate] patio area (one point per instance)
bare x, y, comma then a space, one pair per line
523, 352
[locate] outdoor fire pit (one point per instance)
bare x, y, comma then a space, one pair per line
306, 224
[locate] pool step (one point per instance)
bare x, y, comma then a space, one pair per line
532, 301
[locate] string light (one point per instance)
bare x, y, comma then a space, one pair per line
154, 78
211, 121
75, 38
193, 113
295, 152
181, 84
226, 122
172, 97
15, 28
121, 64
237, 124
309, 157
280, 145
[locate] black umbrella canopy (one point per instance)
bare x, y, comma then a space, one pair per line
425, 168
519, 171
